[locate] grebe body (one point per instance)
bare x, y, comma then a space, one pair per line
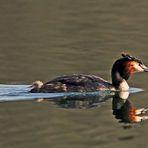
122, 69
73, 83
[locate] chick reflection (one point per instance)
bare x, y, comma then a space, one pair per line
125, 111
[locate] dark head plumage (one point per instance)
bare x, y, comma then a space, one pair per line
131, 58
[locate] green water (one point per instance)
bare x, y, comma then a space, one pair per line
40, 40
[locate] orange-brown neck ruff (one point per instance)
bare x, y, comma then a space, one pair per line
129, 67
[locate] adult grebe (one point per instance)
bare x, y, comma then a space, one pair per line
121, 71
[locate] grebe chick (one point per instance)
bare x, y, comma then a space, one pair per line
122, 69
37, 85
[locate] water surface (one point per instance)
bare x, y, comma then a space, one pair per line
40, 40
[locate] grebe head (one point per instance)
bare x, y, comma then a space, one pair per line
37, 84
123, 68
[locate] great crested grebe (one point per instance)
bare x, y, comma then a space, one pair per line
121, 71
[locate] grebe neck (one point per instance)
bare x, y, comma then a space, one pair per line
119, 82
120, 76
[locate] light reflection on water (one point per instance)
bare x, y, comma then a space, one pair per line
21, 92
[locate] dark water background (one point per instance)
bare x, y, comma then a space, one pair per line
44, 39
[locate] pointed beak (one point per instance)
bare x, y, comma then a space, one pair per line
145, 68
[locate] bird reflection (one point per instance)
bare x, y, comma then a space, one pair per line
125, 111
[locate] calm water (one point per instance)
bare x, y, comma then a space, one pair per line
42, 39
